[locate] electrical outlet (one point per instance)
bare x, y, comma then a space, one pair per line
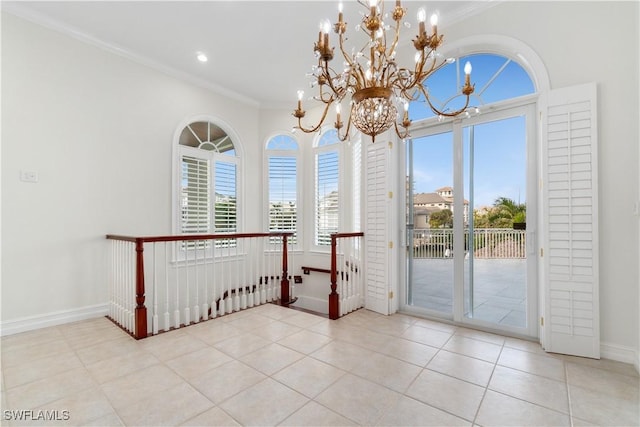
28, 176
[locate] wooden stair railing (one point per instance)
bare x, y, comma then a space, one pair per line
139, 329
334, 296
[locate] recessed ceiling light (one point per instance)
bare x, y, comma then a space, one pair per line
201, 57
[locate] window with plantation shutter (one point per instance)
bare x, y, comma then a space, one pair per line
327, 197
207, 187
194, 200
282, 174
226, 206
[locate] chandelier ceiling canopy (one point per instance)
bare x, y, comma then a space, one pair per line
375, 86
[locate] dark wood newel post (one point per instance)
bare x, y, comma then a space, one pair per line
141, 310
284, 282
334, 302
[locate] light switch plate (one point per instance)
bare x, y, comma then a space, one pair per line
29, 176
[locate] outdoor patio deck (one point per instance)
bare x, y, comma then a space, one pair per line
499, 288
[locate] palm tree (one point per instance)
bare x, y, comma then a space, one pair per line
505, 208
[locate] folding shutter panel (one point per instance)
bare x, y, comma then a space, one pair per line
570, 197
195, 203
327, 196
282, 193
225, 197
376, 233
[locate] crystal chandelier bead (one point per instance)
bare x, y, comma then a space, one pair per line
373, 110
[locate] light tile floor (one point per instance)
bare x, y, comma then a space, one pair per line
274, 366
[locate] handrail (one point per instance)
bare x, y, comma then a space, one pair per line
353, 234
140, 314
306, 270
178, 237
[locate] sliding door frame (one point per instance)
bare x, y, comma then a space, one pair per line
523, 106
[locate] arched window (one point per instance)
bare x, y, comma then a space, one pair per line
326, 191
206, 194
496, 78
282, 156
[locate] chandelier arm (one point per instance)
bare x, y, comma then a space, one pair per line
338, 92
396, 38
434, 67
387, 74
345, 54
420, 74
322, 94
401, 135
316, 127
346, 133
448, 114
404, 92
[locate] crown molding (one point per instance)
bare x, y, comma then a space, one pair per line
25, 13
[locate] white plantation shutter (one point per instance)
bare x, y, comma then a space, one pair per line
195, 202
225, 197
282, 194
570, 218
326, 197
376, 233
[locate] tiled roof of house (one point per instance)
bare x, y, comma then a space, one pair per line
428, 198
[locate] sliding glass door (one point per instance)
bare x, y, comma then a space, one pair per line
430, 258
470, 195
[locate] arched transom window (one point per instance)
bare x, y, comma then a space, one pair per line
496, 78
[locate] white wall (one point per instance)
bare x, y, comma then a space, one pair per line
98, 130
581, 42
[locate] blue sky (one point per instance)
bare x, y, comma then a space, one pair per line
499, 147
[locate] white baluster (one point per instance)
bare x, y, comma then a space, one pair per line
167, 320
214, 287
176, 313
236, 298
196, 306
154, 321
187, 302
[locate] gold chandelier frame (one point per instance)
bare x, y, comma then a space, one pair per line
373, 78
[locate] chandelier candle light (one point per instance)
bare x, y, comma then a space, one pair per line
371, 77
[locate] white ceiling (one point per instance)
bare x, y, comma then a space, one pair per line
259, 51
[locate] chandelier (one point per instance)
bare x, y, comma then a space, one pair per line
377, 86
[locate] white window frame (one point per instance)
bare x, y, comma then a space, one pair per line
318, 150
212, 156
297, 154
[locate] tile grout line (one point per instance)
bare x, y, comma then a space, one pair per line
486, 388
566, 382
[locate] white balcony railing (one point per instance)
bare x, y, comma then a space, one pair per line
504, 243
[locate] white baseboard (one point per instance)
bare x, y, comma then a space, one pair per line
23, 324
314, 304
619, 353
